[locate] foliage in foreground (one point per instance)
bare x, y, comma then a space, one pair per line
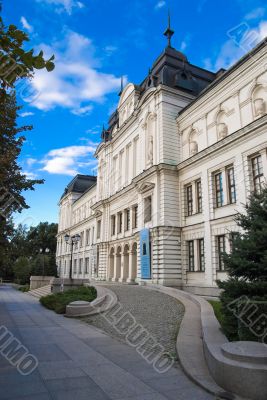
17, 68
244, 296
59, 301
24, 288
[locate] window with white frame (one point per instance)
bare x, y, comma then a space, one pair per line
119, 222
224, 186
218, 186
230, 177
257, 173
147, 209
113, 225
220, 247
86, 265
189, 200
98, 231
135, 216
191, 255
80, 265
87, 237
93, 235
195, 255
201, 254
198, 196
127, 219
81, 239
193, 198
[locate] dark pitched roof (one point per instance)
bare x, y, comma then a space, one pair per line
80, 184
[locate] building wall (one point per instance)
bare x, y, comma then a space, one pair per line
157, 152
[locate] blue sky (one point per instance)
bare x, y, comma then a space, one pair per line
95, 42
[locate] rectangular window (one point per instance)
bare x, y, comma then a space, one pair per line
220, 250
120, 222
87, 237
98, 232
135, 217
86, 265
127, 219
257, 173
199, 196
191, 260
81, 239
231, 184
80, 265
75, 267
93, 235
201, 254
113, 225
189, 200
148, 209
218, 189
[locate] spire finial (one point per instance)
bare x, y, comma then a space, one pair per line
121, 86
169, 32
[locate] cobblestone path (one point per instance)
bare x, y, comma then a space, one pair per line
157, 312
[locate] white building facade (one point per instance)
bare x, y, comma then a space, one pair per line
181, 155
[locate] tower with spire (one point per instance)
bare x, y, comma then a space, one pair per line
169, 32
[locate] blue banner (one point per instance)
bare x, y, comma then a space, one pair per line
145, 254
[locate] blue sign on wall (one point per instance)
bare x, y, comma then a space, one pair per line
145, 254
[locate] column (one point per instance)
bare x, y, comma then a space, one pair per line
121, 279
130, 278
116, 267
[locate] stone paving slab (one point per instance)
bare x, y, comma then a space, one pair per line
78, 361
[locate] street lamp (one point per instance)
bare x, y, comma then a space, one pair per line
71, 240
44, 251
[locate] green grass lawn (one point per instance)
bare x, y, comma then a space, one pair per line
217, 308
59, 301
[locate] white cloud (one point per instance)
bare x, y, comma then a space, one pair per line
255, 14
109, 50
26, 24
82, 111
242, 39
30, 161
160, 4
76, 79
64, 5
65, 161
26, 114
185, 42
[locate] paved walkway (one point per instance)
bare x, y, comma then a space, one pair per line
157, 312
77, 361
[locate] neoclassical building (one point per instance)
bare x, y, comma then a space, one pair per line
181, 154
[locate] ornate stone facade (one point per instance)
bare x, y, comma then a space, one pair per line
178, 161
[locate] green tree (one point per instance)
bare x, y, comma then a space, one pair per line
247, 269
43, 236
22, 270
17, 65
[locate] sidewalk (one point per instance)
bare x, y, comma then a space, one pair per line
77, 361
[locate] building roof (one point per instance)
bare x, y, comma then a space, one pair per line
80, 184
223, 74
172, 69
